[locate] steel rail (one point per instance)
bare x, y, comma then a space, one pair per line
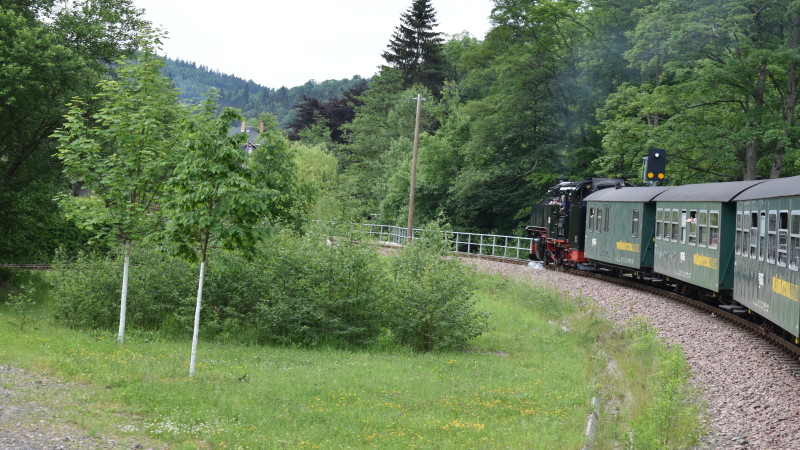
788, 348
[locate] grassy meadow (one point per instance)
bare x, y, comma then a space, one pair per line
527, 383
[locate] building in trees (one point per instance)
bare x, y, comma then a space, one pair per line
416, 50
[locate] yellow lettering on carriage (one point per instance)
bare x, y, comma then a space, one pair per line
627, 246
705, 261
786, 289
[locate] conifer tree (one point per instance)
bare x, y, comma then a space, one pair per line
416, 50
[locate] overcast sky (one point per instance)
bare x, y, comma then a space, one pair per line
288, 42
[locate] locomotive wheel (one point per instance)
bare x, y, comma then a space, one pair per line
540, 249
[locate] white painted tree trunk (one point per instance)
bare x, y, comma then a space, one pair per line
123, 303
196, 334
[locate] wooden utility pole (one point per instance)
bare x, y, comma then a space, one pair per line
414, 173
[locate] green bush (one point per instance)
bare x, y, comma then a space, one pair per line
87, 290
324, 291
430, 299
297, 290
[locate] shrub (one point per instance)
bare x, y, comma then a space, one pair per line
87, 290
431, 305
297, 290
323, 292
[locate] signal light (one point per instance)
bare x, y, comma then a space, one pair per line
656, 164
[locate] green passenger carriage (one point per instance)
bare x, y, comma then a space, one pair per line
767, 251
619, 227
695, 234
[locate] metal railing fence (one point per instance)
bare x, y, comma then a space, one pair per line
498, 246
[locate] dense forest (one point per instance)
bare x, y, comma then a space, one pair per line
568, 89
193, 81
555, 90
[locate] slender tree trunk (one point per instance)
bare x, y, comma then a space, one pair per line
751, 155
123, 303
792, 43
196, 334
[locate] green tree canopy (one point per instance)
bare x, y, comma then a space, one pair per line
51, 51
416, 49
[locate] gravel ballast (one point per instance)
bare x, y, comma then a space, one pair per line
753, 398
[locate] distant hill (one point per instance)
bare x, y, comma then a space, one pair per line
194, 80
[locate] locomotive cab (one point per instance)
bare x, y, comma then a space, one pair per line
558, 220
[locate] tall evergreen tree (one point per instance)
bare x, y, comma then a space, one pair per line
416, 50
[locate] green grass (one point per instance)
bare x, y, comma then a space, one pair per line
526, 384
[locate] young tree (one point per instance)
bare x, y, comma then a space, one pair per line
122, 152
221, 197
416, 50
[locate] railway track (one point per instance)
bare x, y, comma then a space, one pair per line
762, 338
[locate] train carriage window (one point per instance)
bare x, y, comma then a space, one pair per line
737, 247
713, 229
794, 242
599, 220
684, 221
702, 227
762, 236
635, 223
659, 223
772, 236
676, 218
591, 220
753, 234
692, 221
608, 218
783, 234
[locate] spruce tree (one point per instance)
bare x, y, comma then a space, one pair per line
416, 50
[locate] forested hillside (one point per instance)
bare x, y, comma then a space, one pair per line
193, 80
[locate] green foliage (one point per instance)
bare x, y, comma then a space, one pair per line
123, 151
431, 299
317, 170
294, 290
669, 414
381, 137
321, 292
21, 302
86, 289
416, 50
717, 87
48, 55
217, 196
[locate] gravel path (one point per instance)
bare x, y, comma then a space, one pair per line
753, 398
32, 409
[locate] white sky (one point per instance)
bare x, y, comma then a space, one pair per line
288, 42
